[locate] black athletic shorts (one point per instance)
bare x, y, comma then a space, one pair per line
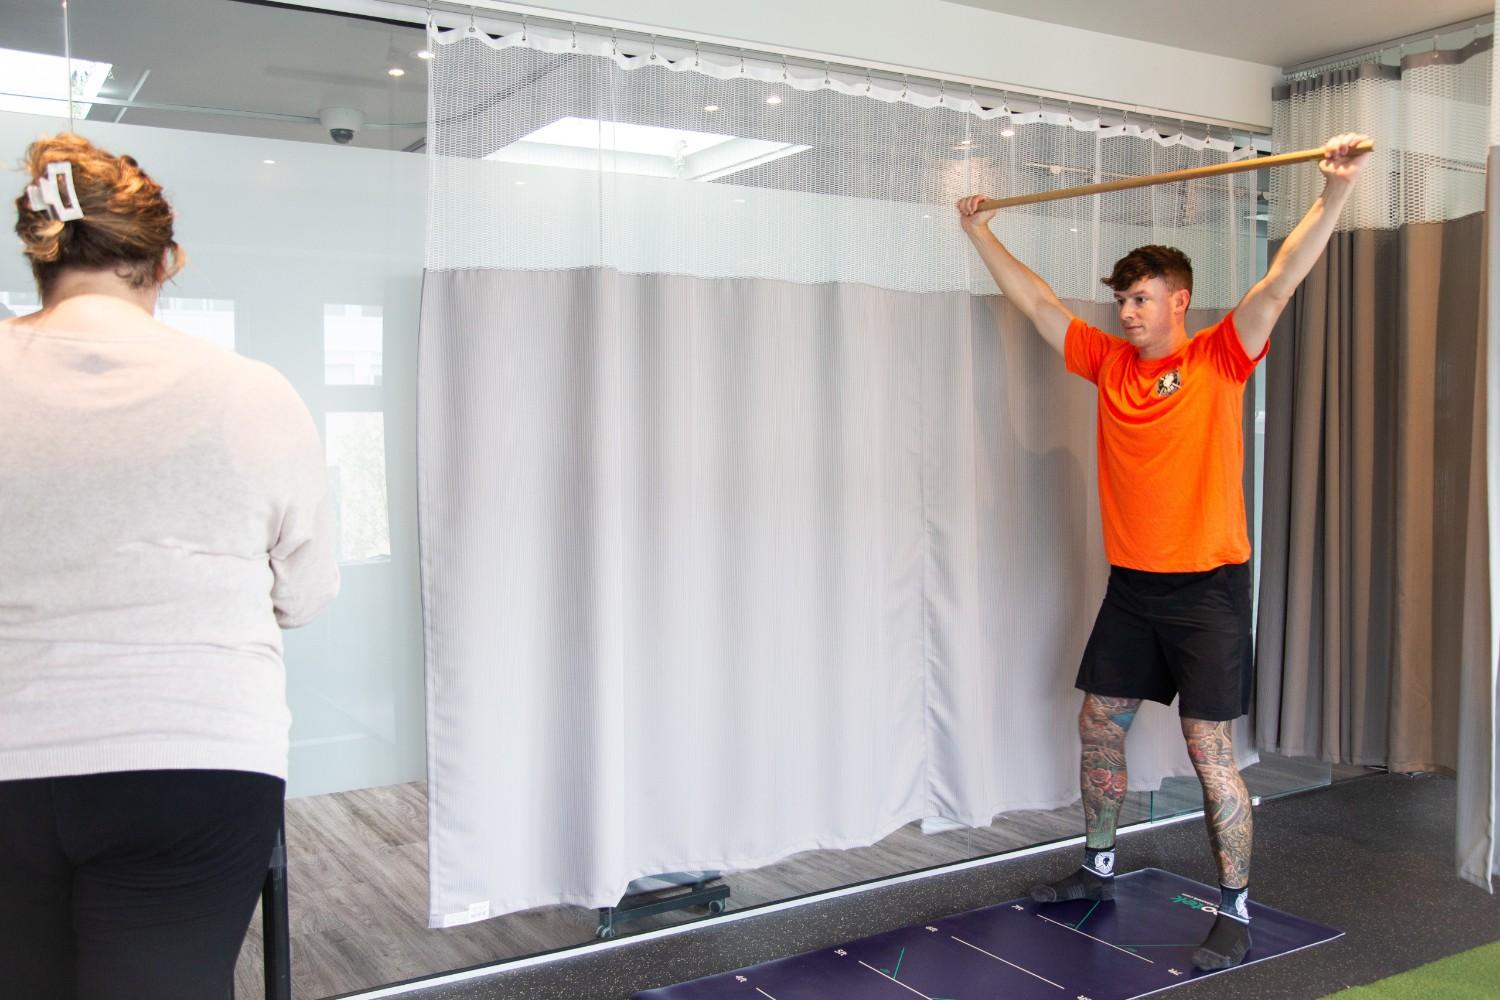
1160, 635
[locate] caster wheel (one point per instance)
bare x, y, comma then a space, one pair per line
716, 907
604, 932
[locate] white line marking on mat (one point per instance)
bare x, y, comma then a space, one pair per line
1013, 965
893, 979
1091, 937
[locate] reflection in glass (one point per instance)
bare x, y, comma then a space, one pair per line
352, 338
43, 79
210, 319
18, 303
355, 443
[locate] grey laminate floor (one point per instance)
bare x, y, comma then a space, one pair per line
358, 882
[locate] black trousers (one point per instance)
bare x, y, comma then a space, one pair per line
137, 884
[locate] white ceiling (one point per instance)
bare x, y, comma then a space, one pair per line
242, 56
1274, 32
250, 56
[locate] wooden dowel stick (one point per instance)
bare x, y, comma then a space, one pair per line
1190, 174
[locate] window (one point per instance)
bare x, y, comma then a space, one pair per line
641, 149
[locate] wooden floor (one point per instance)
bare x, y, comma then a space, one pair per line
358, 881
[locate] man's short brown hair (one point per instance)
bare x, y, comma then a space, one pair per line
1167, 263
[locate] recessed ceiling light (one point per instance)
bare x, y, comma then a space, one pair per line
710, 108
774, 99
395, 71
269, 163
423, 54
739, 201
520, 184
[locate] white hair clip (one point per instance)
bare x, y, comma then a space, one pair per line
45, 193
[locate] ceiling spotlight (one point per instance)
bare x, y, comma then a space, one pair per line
1009, 133
269, 163
739, 201
774, 99
395, 71
710, 108
520, 184
423, 54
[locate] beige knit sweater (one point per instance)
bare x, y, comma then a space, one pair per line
163, 514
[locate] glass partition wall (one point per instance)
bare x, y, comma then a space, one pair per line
307, 253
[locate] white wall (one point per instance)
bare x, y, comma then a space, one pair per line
949, 38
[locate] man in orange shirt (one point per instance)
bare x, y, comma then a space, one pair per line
1176, 615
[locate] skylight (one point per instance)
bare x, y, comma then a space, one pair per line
589, 144
44, 79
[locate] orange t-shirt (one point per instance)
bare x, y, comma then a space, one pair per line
1171, 450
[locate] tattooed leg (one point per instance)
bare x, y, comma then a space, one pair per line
1226, 804
1226, 801
1102, 725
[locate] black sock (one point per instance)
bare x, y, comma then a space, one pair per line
1233, 903
1229, 938
1095, 880
1100, 860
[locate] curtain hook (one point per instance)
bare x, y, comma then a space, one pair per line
473, 29
697, 56
869, 82
827, 77
524, 29
653, 49
614, 44
905, 86
783, 69
575, 37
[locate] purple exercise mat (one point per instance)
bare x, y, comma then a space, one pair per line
1139, 943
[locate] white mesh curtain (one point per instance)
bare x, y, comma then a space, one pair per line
1432, 117
750, 522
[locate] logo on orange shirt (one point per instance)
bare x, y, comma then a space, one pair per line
1169, 383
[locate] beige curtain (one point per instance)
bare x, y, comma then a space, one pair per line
1372, 408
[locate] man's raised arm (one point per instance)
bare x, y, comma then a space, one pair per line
1258, 311
1021, 285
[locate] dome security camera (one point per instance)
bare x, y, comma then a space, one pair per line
342, 123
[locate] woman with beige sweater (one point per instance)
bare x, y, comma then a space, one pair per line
163, 515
